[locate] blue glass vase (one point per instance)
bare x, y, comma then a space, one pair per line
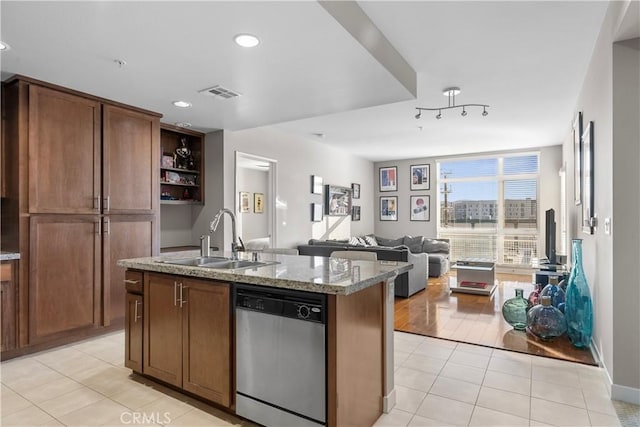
579, 308
545, 321
555, 292
514, 311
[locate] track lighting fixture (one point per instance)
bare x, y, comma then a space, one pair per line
451, 93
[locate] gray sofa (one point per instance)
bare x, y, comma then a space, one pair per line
406, 284
437, 250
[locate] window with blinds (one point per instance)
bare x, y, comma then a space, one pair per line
488, 207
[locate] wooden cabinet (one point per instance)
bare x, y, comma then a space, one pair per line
64, 275
180, 183
133, 330
64, 152
8, 304
82, 191
124, 236
187, 335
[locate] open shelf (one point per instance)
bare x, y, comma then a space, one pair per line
179, 184
181, 170
185, 186
180, 202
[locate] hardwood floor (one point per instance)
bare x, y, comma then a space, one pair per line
436, 312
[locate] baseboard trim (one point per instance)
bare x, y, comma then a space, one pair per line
389, 401
625, 394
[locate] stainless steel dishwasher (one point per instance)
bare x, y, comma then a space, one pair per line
280, 356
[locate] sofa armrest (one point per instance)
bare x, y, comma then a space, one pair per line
419, 273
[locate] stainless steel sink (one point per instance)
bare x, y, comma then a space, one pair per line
232, 265
217, 263
197, 261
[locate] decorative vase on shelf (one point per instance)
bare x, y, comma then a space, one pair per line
579, 308
514, 311
545, 321
534, 296
555, 292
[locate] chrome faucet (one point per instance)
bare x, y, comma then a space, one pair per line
214, 225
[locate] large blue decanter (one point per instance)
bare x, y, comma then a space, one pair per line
578, 305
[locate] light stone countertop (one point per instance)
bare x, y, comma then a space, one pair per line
299, 272
8, 256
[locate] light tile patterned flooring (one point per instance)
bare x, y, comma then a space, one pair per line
438, 383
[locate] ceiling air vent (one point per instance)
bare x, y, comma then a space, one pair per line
220, 92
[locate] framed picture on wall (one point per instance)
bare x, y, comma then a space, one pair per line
420, 177
355, 191
577, 159
588, 220
388, 179
337, 201
258, 202
316, 184
420, 210
316, 212
244, 202
388, 208
355, 213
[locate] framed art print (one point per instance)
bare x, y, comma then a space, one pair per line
316, 184
244, 202
389, 208
355, 191
316, 212
577, 159
355, 213
587, 180
388, 178
420, 210
420, 177
337, 200
258, 202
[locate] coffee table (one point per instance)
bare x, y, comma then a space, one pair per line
475, 276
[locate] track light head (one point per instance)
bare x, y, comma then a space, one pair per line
464, 112
419, 114
484, 112
439, 116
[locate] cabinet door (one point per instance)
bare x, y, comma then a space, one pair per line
207, 340
131, 165
64, 152
124, 236
64, 275
162, 328
8, 306
133, 333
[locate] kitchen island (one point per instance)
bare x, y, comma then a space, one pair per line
182, 328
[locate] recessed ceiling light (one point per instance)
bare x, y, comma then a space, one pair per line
4, 46
183, 124
182, 104
246, 40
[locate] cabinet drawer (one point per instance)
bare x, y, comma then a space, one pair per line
133, 281
6, 272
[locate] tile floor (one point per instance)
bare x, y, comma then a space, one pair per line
438, 383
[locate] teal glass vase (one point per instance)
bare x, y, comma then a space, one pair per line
514, 311
545, 321
578, 305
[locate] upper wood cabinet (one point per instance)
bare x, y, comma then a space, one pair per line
64, 152
131, 142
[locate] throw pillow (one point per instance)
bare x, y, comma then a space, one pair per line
371, 240
433, 245
389, 242
356, 241
414, 243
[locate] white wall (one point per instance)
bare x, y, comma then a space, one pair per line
548, 193
298, 159
615, 197
252, 225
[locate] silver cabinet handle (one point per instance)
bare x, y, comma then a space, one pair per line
96, 203
107, 226
106, 204
131, 282
135, 311
182, 301
175, 294
99, 224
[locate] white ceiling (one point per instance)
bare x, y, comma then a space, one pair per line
310, 75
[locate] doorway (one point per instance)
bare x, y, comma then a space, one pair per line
255, 194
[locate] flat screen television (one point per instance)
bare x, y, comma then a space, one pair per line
550, 236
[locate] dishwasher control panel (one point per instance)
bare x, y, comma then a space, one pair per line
292, 304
